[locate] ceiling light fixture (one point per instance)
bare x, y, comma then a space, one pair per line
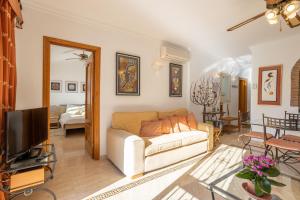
277, 9
290, 10
272, 16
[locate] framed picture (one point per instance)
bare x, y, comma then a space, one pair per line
269, 85
127, 75
175, 80
82, 87
71, 86
56, 86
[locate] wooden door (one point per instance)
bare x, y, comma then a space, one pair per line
243, 96
89, 132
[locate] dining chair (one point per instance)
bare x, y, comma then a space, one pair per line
287, 152
292, 122
251, 135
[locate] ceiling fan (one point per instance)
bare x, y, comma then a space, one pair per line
288, 9
82, 56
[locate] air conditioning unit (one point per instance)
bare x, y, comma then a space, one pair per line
174, 54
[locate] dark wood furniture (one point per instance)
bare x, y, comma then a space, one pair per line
212, 115
54, 121
228, 126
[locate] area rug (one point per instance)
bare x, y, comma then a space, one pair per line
186, 180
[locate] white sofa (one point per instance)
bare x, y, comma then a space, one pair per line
135, 155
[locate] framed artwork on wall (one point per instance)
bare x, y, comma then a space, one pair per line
127, 75
175, 80
82, 87
56, 86
71, 86
269, 85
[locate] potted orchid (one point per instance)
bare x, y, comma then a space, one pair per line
257, 170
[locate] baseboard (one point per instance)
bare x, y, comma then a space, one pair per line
103, 157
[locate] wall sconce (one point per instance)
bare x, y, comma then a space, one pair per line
159, 64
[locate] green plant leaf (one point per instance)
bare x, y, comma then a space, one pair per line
272, 172
273, 182
245, 174
258, 191
265, 185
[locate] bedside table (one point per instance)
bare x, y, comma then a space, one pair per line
54, 121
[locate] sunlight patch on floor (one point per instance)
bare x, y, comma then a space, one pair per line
224, 159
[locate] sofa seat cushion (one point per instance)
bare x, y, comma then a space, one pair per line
172, 141
191, 137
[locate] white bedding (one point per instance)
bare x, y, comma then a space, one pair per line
73, 115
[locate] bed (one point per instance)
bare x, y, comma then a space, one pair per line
73, 118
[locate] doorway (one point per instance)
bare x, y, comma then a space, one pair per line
243, 96
90, 87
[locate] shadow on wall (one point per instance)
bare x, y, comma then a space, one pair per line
240, 67
232, 66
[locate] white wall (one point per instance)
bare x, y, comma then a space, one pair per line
285, 52
154, 84
67, 70
236, 67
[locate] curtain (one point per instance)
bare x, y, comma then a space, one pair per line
10, 12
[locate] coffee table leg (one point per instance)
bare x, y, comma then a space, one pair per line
212, 193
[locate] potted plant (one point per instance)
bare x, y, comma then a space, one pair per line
257, 170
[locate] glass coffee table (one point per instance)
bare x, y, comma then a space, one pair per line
230, 187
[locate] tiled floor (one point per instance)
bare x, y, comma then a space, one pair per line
78, 176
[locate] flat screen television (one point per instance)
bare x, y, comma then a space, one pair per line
25, 129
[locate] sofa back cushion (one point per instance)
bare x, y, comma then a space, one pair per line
181, 111
166, 126
131, 121
174, 123
192, 122
151, 128
183, 123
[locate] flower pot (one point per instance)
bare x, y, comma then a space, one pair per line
249, 188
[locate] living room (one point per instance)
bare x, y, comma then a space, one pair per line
149, 66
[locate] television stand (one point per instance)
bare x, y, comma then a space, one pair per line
29, 175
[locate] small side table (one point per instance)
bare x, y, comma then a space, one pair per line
18, 178
54, 121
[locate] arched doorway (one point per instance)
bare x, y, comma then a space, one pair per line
295, 85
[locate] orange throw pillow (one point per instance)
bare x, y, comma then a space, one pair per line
166, 126
151, 128
192, 122
174, 122
182, 123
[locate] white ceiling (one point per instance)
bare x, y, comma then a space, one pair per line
59, 53
196, 24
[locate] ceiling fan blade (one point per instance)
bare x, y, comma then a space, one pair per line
73, 59
77, 54
246, 22
69, 51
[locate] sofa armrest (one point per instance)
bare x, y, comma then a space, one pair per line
126, 151
208, 128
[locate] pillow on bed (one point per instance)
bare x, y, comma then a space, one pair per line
75, 109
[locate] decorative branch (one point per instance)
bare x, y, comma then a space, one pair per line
205, 91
